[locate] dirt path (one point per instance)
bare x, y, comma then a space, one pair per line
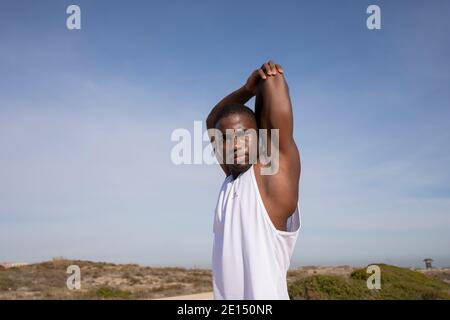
197, 296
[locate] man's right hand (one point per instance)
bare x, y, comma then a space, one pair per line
267, 69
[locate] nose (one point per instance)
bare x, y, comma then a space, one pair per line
238, 143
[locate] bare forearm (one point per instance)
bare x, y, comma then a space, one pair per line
241, 95
274, 105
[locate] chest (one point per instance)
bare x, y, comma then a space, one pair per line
236, 203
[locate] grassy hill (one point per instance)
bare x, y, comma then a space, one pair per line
396, 283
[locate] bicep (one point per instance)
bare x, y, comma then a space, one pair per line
274, 111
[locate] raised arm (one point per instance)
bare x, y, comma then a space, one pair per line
241, 95
273, 110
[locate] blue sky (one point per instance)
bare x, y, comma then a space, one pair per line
86, 118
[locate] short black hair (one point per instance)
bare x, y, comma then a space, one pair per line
235, 108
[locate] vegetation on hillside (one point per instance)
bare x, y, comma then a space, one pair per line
396, 283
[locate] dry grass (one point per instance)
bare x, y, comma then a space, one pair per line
101, 281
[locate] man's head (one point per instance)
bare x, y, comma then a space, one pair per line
237, 123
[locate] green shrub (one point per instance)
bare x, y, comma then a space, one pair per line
113, 293
326, 287
396, 283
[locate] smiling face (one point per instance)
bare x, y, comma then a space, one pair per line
239, 139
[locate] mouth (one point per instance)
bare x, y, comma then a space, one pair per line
241, 159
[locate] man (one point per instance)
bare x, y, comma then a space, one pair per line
257, 219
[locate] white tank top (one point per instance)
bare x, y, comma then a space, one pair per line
250, 256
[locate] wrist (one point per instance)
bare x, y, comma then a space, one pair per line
248, 90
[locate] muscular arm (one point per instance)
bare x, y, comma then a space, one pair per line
241, 95
273, 110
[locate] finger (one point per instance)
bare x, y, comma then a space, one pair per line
267, 69
273, 69
262, 74
279, 68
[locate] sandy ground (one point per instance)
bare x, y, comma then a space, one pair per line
198, 296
